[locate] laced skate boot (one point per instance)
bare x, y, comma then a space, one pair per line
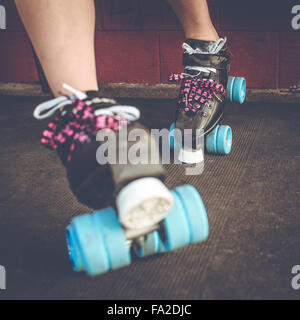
136, 190
202, 94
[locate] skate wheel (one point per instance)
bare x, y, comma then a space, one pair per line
229, 89
176, 227
97, 243
211, 141
86, 247
195, 212
219, 140
236, 89
239, 90
151, 246
73, 248
114, 238
224, 140
171, 136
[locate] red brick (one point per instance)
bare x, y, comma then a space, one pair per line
254, 55
214, 10
99, 24
170, 53
169, 18
149, 15
142, 15
289, 59
118, 14
156, 15
134, 14
131, 15
171, 22
266, 15
127, 57
16, 58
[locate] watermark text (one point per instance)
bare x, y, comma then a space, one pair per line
296, 19
2, 18
296, 279
138, 146
2, 278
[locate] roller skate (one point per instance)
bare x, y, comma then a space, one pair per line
134, 212
205, 86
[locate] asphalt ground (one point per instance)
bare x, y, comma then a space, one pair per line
251, 196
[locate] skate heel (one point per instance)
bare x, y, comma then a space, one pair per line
143, 203
190, 156
185, 155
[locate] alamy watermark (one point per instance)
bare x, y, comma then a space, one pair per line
139, 146
2, 278
296, 19
2, 18
296, 279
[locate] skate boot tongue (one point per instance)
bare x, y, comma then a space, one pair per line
193, 46
199, 44
99, 102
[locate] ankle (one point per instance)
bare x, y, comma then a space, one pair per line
203, 36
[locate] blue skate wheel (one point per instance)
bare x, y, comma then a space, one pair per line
176, 227
151, 246
162, 247
86, 246
211, 141
172, 140
239, 90
219, 140
171, 136
229, 89
195, 212
114, 238
73, 248
224, 140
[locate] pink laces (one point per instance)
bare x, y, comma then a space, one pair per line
78, 125
195, 92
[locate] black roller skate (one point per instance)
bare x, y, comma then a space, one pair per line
133, 207
204, 87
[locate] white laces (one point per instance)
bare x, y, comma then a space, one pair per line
213, 48
128, 112
48, 108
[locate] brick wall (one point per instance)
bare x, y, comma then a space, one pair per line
138, 41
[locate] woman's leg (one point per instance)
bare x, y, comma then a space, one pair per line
62, 33
195, 19
206, 63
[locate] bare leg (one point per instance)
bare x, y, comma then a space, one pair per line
62, 33
195, 19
